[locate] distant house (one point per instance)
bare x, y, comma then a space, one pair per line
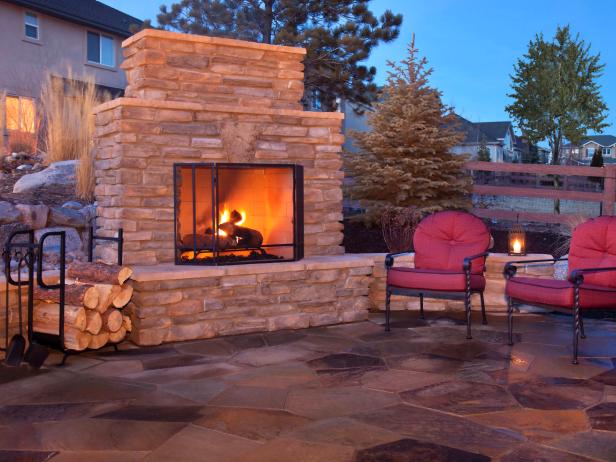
498, 137
583, 153
41, 36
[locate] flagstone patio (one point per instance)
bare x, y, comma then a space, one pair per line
342, 393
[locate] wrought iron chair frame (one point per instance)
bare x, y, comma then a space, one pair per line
441, 294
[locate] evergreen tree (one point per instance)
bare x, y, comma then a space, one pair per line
597, 158
338, 35
405, 160
483, 153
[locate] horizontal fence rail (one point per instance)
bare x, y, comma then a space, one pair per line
549, 182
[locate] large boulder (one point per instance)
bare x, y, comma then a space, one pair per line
33, 216
8, 213
52, 244
57, 174
63, 216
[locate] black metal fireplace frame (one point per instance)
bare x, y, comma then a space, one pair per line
298, 212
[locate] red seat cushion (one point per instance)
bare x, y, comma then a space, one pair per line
442, 241
593, 245
560, 293
439, 280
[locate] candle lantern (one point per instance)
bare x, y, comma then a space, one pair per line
517, 240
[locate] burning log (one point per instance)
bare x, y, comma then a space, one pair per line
244, 237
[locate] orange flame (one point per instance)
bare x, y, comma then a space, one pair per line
226, 215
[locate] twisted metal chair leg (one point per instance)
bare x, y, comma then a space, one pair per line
467, 305
576, 323
421, 307
484, 319
387, 309
582, 333
510, 320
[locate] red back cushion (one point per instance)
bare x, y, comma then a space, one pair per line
442, 241
593, 245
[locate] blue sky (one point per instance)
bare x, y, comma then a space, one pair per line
473, 44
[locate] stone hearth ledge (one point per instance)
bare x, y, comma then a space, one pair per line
172, 272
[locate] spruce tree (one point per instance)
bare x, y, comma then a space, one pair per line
597, 158
405, 160
483, 153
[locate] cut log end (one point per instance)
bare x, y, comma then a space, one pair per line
122, 299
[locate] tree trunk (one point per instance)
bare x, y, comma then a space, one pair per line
268, 19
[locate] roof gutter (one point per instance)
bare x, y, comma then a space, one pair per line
72, 18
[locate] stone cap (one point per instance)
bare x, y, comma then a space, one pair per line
178, 36
186, 106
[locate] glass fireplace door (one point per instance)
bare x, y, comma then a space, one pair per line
238, 213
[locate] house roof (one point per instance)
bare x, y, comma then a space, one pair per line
602, 140
474, 132
88, 12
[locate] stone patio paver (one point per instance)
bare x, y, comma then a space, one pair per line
350, 393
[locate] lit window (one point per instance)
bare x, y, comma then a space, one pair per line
20, 114
31, 26
101, 49
590, 152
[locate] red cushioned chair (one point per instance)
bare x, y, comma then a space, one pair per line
591, 283
450, 252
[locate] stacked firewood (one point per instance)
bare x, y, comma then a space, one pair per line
94, 297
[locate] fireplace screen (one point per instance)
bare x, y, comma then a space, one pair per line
238, 213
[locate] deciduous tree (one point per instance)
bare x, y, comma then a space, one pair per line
556, 94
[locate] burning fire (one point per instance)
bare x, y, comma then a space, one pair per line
225, 217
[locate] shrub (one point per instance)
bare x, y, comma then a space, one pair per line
67, 106
22, 142
398, 226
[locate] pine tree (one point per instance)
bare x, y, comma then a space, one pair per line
483, 153
338, 35
405, 160
597, 158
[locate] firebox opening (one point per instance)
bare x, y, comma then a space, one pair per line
238, 213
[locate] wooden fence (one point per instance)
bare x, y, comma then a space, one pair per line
567, 183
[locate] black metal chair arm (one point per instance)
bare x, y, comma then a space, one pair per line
577, 276
466, 265
389, 258
511, 267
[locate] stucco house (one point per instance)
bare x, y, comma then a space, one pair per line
583, 153
41, 36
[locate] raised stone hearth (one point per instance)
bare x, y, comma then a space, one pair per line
174, 303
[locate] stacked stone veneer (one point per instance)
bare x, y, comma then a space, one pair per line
171, 305
166, 66
204, 99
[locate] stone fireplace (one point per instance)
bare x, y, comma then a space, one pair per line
210, 160
238, 213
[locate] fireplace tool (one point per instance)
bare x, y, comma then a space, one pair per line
25, 254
